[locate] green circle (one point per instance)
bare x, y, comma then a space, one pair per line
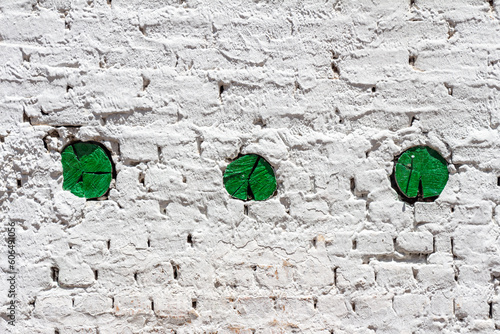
87, 170
250, 177
421, 172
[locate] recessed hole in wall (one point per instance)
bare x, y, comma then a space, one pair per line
2, 139
96, 274
315, 302
199, 141
452, 209
335, 276
452, 246
260, 122
245, 210
109, 2
159, 153
353, 306
73, 302
142, 178
354, 244
145, 82
498, 181
163, 208
353, 184
457, 272
43, 112
374, 89
221, 90
26, 56
142, 29
336, 71
451, 29
254, 268
411, 60
56, 331
449, 88
175, 268
68, 88
135, 276
112, 302
19, 183
412, 120
190, 239
314, 242
412, 3
108, 243
149, 242
194, 303
54, 274
152, 305
492, 4
433, 244
26, 118
337, 112
490, 314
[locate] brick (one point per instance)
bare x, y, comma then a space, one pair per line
333, 307
410, 306
374, 243
132, 304
415, 242
255, 309
368, 181
377, 308
175, 309
139, 149
54, 306
355, 277
395, 276
339, 244
431, 212
93, 304
435, 277
73, 273
477, 214
442, 305
472, 305
294, 311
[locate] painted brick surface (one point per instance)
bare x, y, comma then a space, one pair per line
329, 92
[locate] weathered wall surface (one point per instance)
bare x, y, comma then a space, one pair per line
327, 91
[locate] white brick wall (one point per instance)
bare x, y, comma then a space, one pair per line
329, 92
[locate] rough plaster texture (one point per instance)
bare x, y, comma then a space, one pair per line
327, 91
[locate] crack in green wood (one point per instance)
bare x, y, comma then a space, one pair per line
421, 172
87, 170
250, 177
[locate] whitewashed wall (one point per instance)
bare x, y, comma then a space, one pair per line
327, 91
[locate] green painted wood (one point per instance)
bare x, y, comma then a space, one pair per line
250, 177
87, 170
421, 171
